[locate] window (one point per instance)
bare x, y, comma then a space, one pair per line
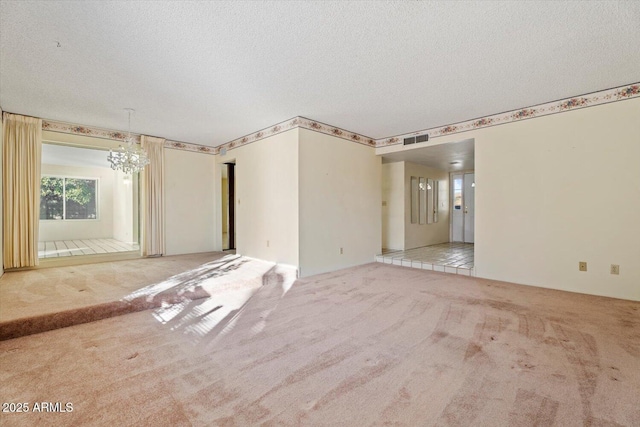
457, 193
68, 198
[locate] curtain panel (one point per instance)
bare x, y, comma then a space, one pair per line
153, 188
21, 158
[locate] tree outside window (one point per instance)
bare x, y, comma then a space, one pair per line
68, 198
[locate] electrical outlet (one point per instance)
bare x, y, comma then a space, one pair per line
582, 266
341, 251
615, 269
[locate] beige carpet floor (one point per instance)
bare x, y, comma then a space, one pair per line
368, 346
51, 290
89, 297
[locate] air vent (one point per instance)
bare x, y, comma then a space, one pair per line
416, 139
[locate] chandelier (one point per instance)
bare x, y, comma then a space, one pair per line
129, 158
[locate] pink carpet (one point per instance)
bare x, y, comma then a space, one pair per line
373, 345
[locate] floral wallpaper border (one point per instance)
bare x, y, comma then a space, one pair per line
589, 100
190, 147
299, 122
296, 122
95, 132
63, 127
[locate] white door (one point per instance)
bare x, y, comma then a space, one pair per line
468, 198
463, 207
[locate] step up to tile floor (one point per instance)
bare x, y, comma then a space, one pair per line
225, 277
453, 258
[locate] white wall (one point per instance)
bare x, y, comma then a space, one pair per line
340, 203
267, 198
302, 195
189, 202
124, 218
418, 235
559, 189
100, 228
393, 205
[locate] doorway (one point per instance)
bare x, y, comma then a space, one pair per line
228, 206
463, 207
86, 207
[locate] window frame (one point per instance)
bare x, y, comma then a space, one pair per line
64, 192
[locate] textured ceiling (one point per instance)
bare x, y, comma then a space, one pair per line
209, 72
458, 156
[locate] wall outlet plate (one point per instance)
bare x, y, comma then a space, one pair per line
615, 269
582, 266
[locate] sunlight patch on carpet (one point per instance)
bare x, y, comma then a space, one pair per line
210, 299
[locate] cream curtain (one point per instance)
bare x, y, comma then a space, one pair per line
21, 157
153, 197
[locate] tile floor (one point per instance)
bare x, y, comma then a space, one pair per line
61, 248
456, 258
